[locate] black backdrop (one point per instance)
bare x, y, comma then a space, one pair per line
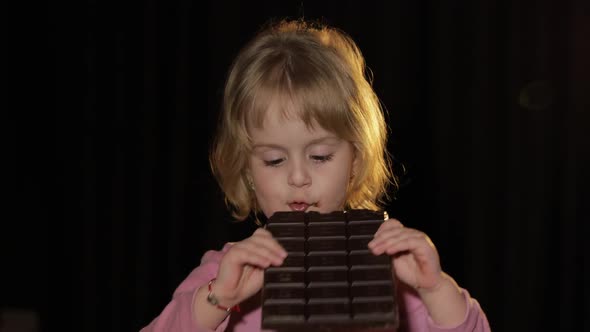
488, 111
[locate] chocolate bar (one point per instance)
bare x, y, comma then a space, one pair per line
329, 280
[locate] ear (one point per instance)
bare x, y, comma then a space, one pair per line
249, 180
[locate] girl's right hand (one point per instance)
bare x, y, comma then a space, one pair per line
241, 270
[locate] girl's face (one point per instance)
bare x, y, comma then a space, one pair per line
296, 168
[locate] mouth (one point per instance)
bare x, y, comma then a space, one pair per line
301, 206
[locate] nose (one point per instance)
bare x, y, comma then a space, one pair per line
299, 175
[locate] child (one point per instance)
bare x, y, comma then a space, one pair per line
302, 130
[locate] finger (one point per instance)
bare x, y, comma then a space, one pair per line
265, 248
389, 232
418, 244
388, 225
262, 232
385, 243
390, 235
244, 254
237, 267
269, 243
252, 280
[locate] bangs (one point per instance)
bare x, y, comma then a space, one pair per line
299, 90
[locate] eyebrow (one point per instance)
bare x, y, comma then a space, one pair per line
312, 142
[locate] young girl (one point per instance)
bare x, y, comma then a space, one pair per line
302, 130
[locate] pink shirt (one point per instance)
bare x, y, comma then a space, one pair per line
178, 314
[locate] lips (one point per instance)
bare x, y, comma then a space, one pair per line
299, 206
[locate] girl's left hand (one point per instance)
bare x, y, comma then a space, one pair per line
414, 256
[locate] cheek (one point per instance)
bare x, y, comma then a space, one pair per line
335, 185
266, 182
340, 173
268, 197
339, 193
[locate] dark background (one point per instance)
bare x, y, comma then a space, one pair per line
487, 106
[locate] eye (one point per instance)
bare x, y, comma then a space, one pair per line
322, 158
274, 162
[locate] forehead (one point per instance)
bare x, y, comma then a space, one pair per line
319, 105
279, 115
290, 132
277, 111
286, 127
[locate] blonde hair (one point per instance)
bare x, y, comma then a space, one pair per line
318, 73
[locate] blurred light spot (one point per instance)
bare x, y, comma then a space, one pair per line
536, 96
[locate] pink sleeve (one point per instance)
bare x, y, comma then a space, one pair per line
475, 319
178, 314
418, 319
